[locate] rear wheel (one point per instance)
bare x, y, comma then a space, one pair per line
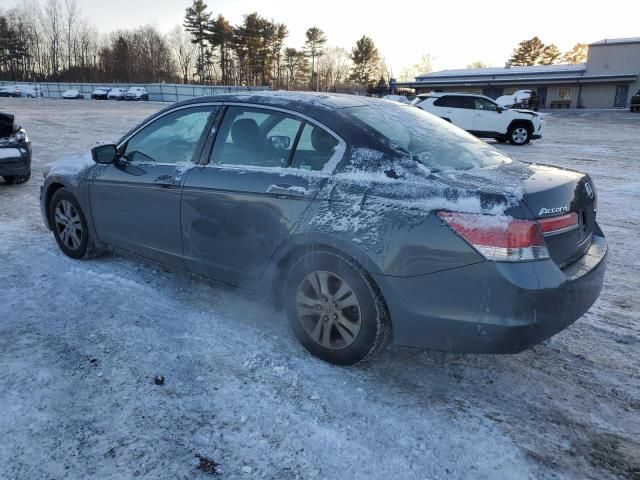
519, 134
335, 309
70, 226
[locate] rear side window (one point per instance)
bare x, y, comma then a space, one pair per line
255, 137
455, 101
270, 138
315, 148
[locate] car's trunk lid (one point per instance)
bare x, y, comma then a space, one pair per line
551, 193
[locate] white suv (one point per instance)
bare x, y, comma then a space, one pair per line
483, 117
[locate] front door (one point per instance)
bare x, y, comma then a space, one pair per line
135, 202
622, 93
265, 168
488, 117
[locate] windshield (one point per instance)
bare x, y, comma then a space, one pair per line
428, 139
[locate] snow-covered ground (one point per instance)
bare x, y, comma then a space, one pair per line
81, 343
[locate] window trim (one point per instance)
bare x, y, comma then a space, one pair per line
202, 141
328, 169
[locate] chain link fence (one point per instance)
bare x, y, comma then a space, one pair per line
158, 92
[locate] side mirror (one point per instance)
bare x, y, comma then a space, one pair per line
499, 109
104, 154
280, 142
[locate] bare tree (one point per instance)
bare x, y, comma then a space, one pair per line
52, 23
184, 51
72, 15
333, 68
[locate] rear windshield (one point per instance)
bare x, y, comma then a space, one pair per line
428, 139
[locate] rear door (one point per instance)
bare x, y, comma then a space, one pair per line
135, 203
265, 167
458, 109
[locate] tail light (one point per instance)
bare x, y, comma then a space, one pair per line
499, 238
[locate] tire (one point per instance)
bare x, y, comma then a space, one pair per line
360, 324
78, 245
519, 134
17, 179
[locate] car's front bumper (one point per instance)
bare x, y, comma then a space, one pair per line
15, 160
493, 307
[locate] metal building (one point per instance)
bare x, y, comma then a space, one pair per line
608, 79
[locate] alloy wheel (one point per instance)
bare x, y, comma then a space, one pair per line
520, 135
328, 310
68, 224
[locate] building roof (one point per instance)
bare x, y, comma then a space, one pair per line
616, 41
495, 71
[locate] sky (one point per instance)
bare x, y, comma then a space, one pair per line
455, 33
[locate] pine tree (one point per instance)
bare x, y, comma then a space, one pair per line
578, 54
221, 36
365, 57
196, 22
315, 40
550, 55
528, 52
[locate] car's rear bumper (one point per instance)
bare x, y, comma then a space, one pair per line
18, 164
493, 307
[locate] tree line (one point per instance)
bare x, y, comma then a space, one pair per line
535, 52
50, 40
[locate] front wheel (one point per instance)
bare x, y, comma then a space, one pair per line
70, 226
334, 308
17, 179
519, 134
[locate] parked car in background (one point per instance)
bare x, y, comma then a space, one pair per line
365, 220
483, 117
116, 94
72, 95
635, 102
100, 93
30, 91
15, 151
397, 98
9, 91
137, 93
520, 99
16, 91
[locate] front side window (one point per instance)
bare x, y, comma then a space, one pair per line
172, 138
484, 104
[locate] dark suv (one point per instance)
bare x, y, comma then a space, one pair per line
15, 151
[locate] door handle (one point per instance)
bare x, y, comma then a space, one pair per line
166, 181
286, 191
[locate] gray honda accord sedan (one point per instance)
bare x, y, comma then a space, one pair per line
367, 221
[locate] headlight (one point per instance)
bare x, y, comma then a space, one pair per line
21, 136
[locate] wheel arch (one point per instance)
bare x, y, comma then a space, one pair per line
521, 121
302, 244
